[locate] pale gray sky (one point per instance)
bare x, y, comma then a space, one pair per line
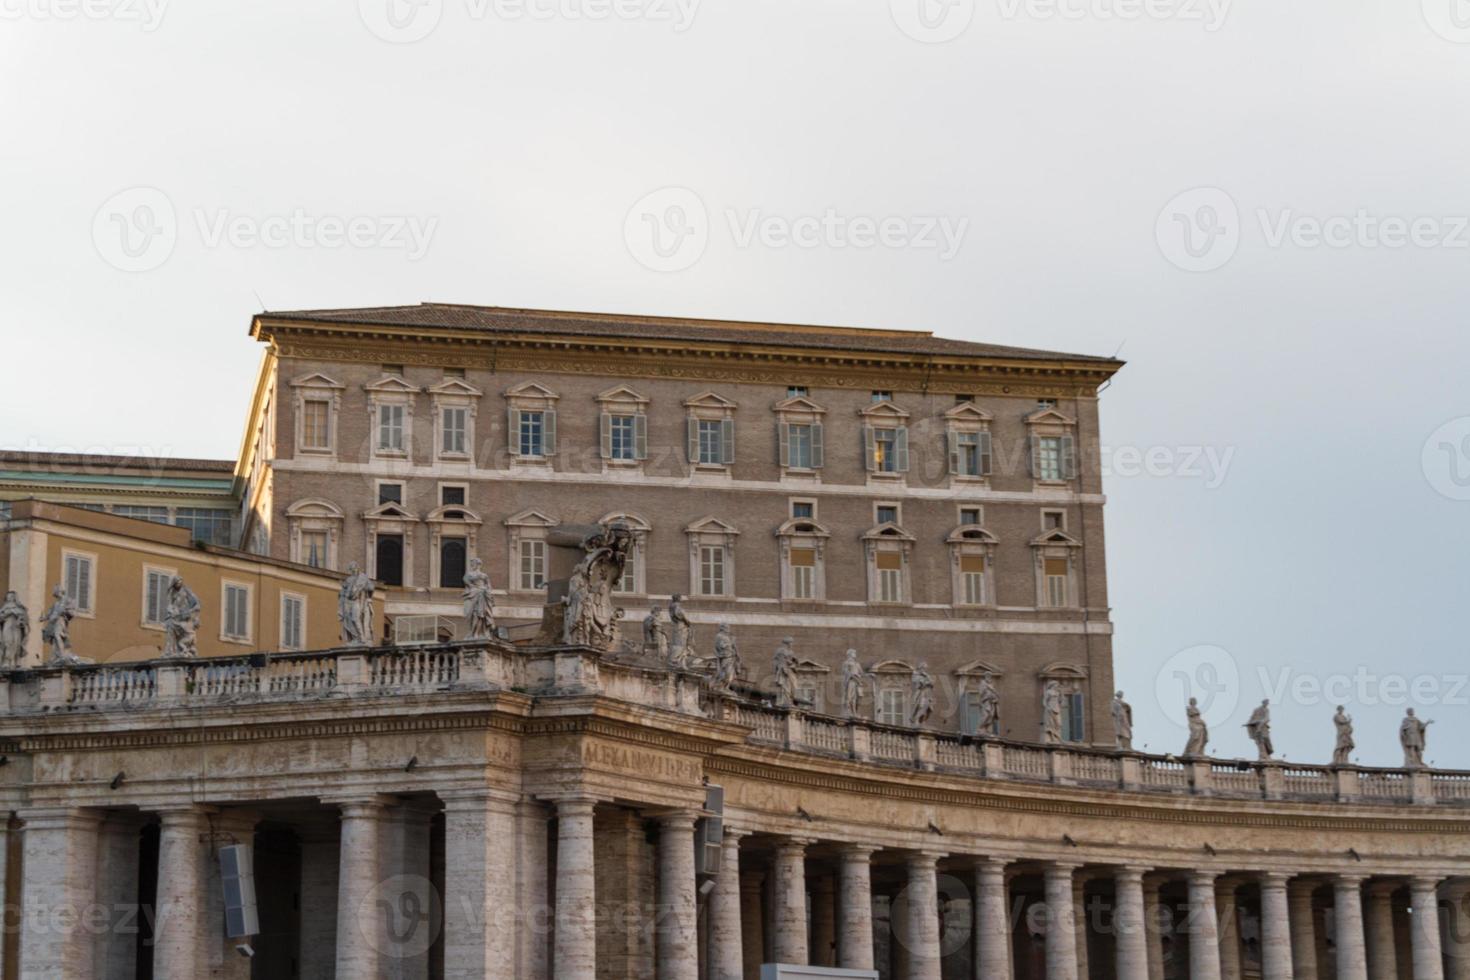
1065, 146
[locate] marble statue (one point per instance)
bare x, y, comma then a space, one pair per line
1199, 734
783, 665
1051, 713
727, 658
479, 602
852, 683
56, 631
591, 618
923, 691
1123, 722
1258, 727
655, 635
1411, 737
355, 607
181, 621
15, 628
987, 699
1342, 749
681, 647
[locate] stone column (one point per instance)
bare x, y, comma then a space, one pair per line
727, 951
117, 893
1229, 918
1378, 929
1129, 924
415, 915
923, 917
678, 903
57, 890
1457, 930
480, 924
1061, 923
855, 921
992, 921
1275, 928
1081, 927
790, 899
1428, 956
1203, 928
360, 938
179, 928
824, 921
321, 856
533, 859
1352, 961
1303, 929
1154, 928
575, 956
753, 921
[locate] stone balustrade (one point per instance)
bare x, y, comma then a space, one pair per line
498, 665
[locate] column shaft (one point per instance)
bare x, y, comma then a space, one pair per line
179, 934
1303, 930
533, 858
1154, 929
1378, 930
575, 956
1275, 928
1457, 931
1061, 924
1081, 925
1129, 925
923, 918
1203, 928
480, 886
1352, 961
824, 922
790, 896
117, 895
727, 951
855, 925
992, 922
1229, 918
1428, 955
57, 892
321, 859
360, 934
753, 922
678, 920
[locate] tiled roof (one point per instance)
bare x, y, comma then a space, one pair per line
100, 461
492, 319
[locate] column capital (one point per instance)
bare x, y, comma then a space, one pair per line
1426, 882
736, 834
679, 818
1378, 888
857, 852
1057, 869
1304, 887
923, 859
57, 817
1274, 879
1131, 872
367, 807
794, 843
1348, 882
573, 804
991, 865
1203, 878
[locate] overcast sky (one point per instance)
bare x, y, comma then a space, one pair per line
1260, 205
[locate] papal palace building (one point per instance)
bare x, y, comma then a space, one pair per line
433, 802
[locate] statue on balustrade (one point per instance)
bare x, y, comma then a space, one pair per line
1342, 749
15, 628
923, 692
479, 603
1258, 727
681, 648
1051, 713
987, 703
56, 630
783, 665
591, 618
1199, 734
181, 621
355, 607
852, 683
1412, 737
727, 658
655, 635
1123, 722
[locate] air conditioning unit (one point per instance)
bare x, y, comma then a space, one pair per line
409, 631
237, 877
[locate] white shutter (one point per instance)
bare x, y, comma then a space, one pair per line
816, 445
513, 430
606, 436
870, 453
985, 454
783, 443
1034, 445
548, 432
727, 441
640, 437
901, 449
691, 438
1069, 457
952, 442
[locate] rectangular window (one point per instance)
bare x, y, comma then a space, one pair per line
533, 565
6, 504
972, 578
711, 442
712, 569
236, 612
1053, 520
799, 442
627, 584
532, 437
1056, 582
390, 493
891, 707
454, 425
155, 595
314, 548
796, 391
886, 513
293, 619
79, 576
969, 515
964, 399
890, 576
803, 509
882, 396
390, 428
971, 454
316, 417
158, 515
451, 496
1074, 726
885, 450
622, 433
803, 573
207, 525
393, 369
1049, 458
454, 372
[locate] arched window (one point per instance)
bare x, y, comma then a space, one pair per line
452, 562
390, 559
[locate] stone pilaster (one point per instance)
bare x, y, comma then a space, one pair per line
855, 925
1457, 930
824, 921
1203, 928
1061, 923
533, 936
1275, 928
753, 921
321, 856
790, 901
923, 917
360, 936
1303, 930
1378, 929
57, 893
1081, 926
992, 921
678, 903
727, 950
1352, 960
575, 956
117, 893
179, 934
1154, 928
1228, 916
480, 924
1130, 924
226, 827
1428, 954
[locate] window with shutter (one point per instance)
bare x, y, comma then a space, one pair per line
454, 422
293, 618
236, 618
155, 596
315, 424
78, 581
1056, 570
803, 573
889, 565
972, 578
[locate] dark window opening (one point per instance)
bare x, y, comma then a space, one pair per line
390, 559
452, 555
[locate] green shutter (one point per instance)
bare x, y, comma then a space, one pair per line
548, 432
606, 436
870, 451
816, 445
783, 444
901, 449
985, 454
640, 437
727, 441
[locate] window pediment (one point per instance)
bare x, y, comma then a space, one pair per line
971, 534
389, 512
317, 380
391, 384
531, 391
979, 668
802, 526
888, 531
891, 667
712, 401
803, 666
1061, 671
531, 518
1055, 538
799, 406
315, 507
968, 412
634, 522
711, 525
1049, 416
884, 411
455, 387
622, 395
453, 514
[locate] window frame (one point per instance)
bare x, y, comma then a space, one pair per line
89, 610
227, 585
530, 397
167, 575
285, 599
